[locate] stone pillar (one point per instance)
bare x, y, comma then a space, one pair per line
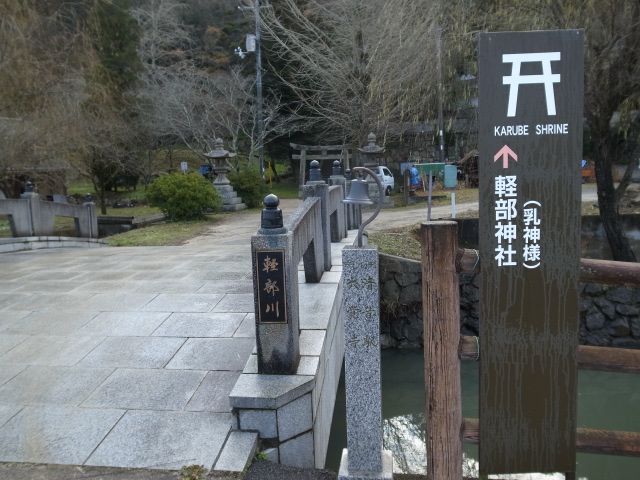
34, 210
321, 189
90, 229
343, 223
275, 293
364, 457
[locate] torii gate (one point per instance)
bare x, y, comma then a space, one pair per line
328, 152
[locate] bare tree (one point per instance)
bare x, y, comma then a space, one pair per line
42, 55
358, 65
165, 40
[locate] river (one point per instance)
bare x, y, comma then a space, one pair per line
605, 401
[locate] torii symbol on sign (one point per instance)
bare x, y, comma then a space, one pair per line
505, 152
515, 79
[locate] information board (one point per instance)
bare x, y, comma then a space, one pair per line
530, 105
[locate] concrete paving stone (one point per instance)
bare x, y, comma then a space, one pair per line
150, 274
295, 417
311, 342
262, 421
331, 277
108, 286
268, 391
98, 275
214, 274
213, 393
200, 325
11, 285
51, 301
167, 302
232, 286
50, 350
55, 322
133, 352
124, 324
7, 317
8, 412
235, 302
298, 452
238, 451
7, 372
9, 340
213, 354
58, 272
8, 299
90, 263
55, 434
170, 286
117, 302
152, 439
252, 364
316, 299
43, 287
18, 274
248, 327
308, 366
146, 389
52, 385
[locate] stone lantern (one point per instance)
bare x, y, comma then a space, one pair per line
219, 157
371, 153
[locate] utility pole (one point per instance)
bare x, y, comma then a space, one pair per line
440, 115
259, 114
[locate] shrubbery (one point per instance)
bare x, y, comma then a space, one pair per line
249, 185
183, 197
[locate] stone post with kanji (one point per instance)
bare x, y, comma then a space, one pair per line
364, 456
275, 285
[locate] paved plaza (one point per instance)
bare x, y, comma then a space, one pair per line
125, 356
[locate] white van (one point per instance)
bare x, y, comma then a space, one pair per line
386, 177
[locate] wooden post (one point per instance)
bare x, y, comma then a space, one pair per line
441, 306
303, 168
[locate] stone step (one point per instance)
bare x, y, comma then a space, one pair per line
238, 451
232, 201
234, 208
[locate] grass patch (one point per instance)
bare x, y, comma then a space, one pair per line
136, 212
403, 242
163, 234
285, 189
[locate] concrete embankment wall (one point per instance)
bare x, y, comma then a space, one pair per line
609, 315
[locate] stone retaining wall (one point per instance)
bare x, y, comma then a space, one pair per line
609, 315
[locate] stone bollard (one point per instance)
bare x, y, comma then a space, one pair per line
336, 170
315, 175
275, 293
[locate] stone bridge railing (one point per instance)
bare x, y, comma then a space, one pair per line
287, 390
31, 217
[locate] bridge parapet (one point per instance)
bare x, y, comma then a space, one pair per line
287, 390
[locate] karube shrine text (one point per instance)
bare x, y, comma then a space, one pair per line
530, 147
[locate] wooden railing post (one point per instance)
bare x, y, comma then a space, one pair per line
441, 307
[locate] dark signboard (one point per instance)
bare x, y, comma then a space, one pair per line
530, 147
272, 305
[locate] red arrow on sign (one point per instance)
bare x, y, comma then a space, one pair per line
505, 152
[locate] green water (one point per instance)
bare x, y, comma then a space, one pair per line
605, 400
